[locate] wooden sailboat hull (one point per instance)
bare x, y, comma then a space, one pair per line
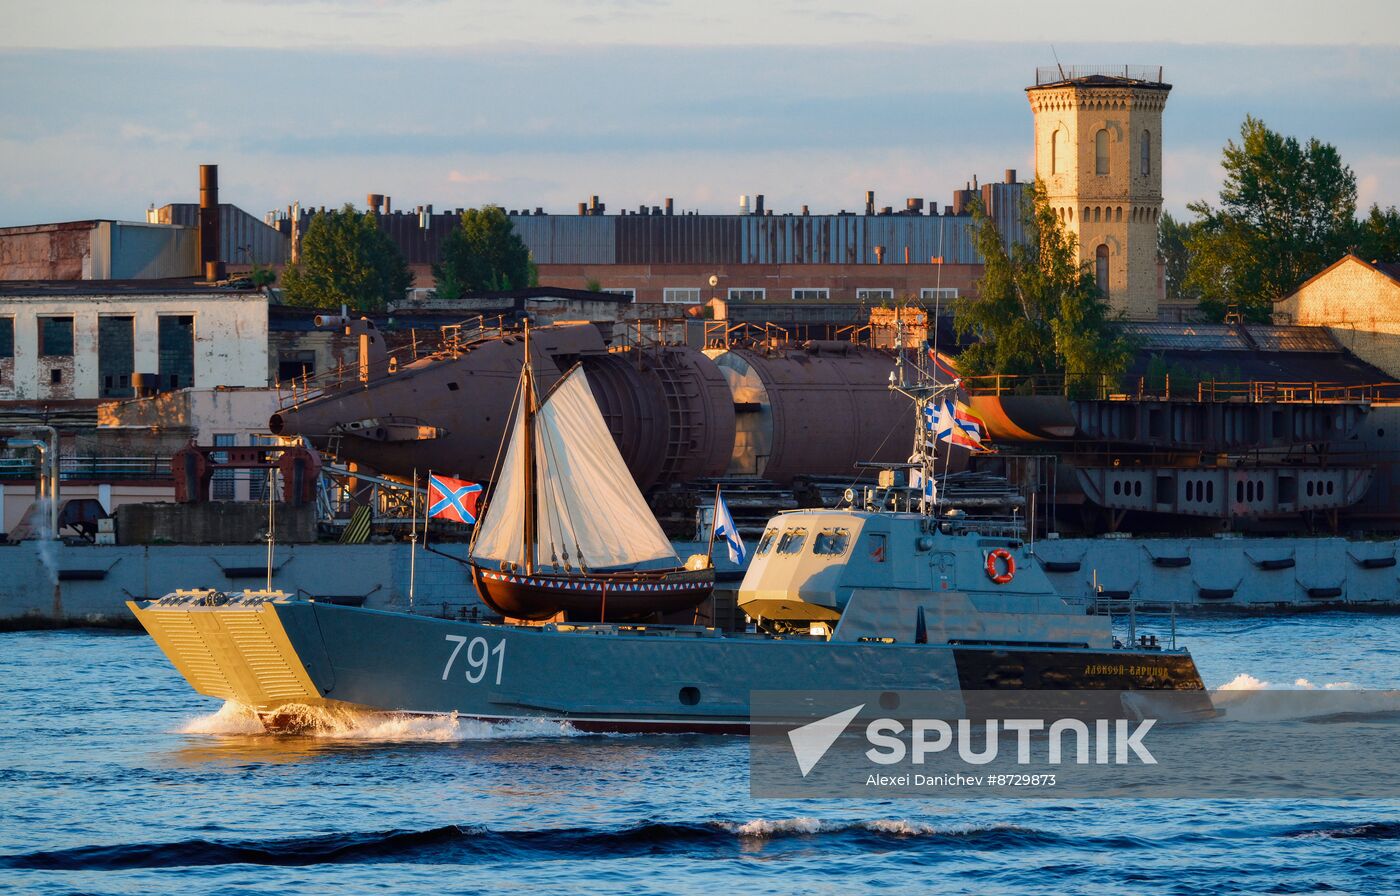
611, 597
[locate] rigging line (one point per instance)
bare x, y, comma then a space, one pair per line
877, 452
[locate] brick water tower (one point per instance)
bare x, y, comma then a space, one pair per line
1098, 150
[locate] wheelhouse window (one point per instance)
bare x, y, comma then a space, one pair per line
791, 541
875, 547
831, 542
765, 544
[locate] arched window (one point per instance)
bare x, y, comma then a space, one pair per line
1101, 268
1118, 214
1101, 152
1057, 152
1145, 153
1098, 213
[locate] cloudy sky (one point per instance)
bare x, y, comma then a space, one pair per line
109, 107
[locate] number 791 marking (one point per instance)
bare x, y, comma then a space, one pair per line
479, 654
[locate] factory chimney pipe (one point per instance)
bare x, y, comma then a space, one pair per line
209, 264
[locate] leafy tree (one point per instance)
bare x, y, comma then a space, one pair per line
1287, 210
1038, 309
1378, 235
483, 254
346, 259
1172, 237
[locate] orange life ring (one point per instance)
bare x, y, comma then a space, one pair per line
1001, 578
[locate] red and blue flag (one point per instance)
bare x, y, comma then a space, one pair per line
453, 499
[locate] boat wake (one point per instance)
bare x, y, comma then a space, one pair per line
1248, 699
236, 719
457, 843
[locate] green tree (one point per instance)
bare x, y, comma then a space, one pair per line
1038, 309
1378, 235
483, 254
1287, 210
1172, 237
345, 259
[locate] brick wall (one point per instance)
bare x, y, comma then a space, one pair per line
1358, 304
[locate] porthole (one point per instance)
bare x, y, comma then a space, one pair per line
689, 696
1137, 489
1239, 492
1310, 488
1331, 486
1210, 491
889, 701
452, 387
1117, 487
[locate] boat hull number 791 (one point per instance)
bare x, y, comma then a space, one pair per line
479, 659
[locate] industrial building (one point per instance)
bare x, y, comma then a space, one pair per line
1358, 301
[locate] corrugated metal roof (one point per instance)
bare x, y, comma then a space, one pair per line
1231, 337
1292, 339
243, 239
1188, 337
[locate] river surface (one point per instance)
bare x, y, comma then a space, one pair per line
115, 777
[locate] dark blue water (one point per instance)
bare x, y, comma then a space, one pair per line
116, 778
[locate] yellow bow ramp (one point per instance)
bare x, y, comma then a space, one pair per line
235, 651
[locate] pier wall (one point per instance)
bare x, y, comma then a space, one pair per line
47, 581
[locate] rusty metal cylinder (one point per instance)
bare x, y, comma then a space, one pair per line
820, 410
209, 237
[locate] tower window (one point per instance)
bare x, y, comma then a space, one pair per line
1101, 152
1057, 152
1145, 153
1101, 268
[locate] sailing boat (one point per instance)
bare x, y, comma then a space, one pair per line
565, 526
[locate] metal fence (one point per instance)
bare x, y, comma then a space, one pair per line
1054, 74
97, 468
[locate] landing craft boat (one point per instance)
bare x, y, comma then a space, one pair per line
566, 528
884, 594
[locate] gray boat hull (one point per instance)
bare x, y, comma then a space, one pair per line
281, 653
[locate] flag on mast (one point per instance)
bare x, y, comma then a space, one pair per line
724, 528
453, 499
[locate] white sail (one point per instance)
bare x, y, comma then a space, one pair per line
500, 536
590, 507
589, 514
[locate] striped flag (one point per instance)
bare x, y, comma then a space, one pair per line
725, 528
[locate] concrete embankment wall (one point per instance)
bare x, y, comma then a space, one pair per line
1230, 572
91, 583
44, 582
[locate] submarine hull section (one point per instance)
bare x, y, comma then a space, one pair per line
819, 410
668, 409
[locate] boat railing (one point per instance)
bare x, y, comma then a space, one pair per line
634, 630
452, 340
1099, 387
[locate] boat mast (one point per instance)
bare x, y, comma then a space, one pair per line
527, 433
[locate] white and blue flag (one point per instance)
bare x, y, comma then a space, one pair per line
725, 528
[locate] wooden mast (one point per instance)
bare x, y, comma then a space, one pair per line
527, 433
